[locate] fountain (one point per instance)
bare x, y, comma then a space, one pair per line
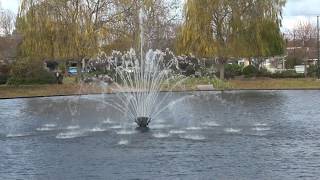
138, 86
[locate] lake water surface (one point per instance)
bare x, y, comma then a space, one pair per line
201, 135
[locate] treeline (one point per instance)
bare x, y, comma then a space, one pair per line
79, 28
213, 29
76, 29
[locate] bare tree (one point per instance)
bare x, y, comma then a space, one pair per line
301, 43
7, 19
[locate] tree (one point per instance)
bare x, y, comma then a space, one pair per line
76, 29
227, 28
262, 34
6, 21
303, 36
124, 27
59, 29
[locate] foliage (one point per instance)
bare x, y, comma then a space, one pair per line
3, 79
196, 33
287, 74
312, 71
232, 70
55, 29
4, 73
249, 71
64, 29
263, 73
26, 71
262, 36
220, 84
225, 29
62, 67
190, 70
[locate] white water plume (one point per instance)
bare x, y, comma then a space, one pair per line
138, 90
138, 86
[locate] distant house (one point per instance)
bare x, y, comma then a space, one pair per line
274, 64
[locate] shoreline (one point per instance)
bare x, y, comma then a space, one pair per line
73, 89
163, 91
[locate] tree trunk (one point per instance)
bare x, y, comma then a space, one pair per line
250, 61
79, 70
305, 69
221, 62
221, 69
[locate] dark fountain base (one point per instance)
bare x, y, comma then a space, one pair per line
143, 121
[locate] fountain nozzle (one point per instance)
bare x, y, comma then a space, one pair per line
143, 121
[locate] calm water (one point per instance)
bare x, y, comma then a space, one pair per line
208, 135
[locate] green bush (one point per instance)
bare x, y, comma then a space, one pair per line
312, 71
30, 72
220, 84
287, 74
62, 67
190, 70
4, 73
249, 71
232, 70
263, 73
3, 79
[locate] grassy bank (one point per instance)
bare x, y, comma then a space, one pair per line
70, 88
276, 84
48, 90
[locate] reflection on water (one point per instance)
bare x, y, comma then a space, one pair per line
229, 135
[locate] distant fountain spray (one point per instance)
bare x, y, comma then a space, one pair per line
141, 22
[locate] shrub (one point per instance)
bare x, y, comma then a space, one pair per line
263, 73
250, 71
4, 73
312, 71
62, 67
30, 72
3, 79
232, 70
190, 70
220, 84
287, 74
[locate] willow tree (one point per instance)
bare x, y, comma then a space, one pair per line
196, 34
222, 28
59, 29
262, 36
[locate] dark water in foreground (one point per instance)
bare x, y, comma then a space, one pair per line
208, 135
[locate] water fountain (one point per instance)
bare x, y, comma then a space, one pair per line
138, 87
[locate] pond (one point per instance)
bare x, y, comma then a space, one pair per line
201, 135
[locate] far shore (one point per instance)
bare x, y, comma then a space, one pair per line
70, 89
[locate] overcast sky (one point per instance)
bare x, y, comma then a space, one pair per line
294, 11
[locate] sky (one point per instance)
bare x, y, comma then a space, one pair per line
295, 11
